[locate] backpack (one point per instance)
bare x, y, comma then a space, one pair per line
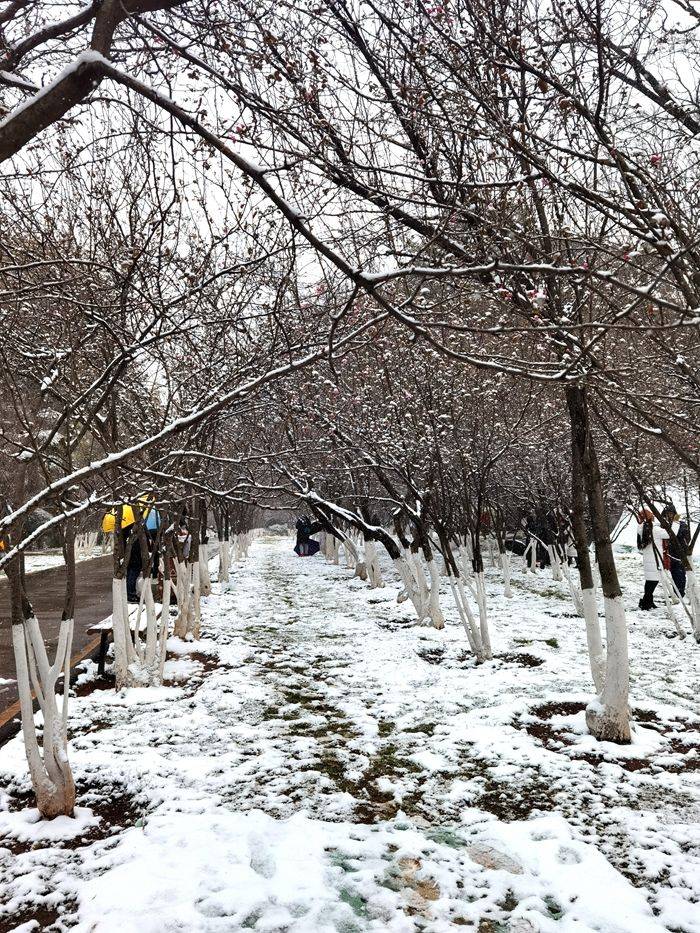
645, 537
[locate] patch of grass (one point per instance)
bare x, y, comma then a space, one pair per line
358, 903
554, 909
427, 728
445, 836
491, 926
552, 642
342, 860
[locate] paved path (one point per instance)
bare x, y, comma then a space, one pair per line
46, 590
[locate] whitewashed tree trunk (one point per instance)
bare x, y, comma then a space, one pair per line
461, 601
490, 542
554, 563
692, 589
420, 582
164, 629
596, 652
669, 595
607, 717
436, 616
530, 557
194, 620
121, 633
84, 544
241, 544
352, 556
466, 556
137, 663
483, 614
151, 647
182, 595
204, 577
410, 591
374, 572
575, 591
419, 579
224, 557
49, 768
505, 567
334, 549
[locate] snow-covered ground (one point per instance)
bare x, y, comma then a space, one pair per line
319, 763
43, 560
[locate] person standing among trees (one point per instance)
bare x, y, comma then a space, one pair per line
681, 539
306, 546
133, 568
652, 541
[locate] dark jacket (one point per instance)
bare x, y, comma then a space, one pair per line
305, 529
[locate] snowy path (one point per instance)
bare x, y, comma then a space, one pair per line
328, 766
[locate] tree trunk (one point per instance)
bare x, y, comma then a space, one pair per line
49, 768
436, 616
204, 578
692, 588
374, 572
505, 567
608, 717
587, 605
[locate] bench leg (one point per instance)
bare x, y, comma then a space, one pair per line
104, 640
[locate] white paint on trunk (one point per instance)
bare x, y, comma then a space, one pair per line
151, 650
224, 558
194, 620
410, 590
461, 601
554, 563
669, 594
49, 768
466, 556
420, 582
204, 578
607, 717
491, 549
374, 572
436, 616
119, 632
530, 556
85, 543
164, 628
137, 663
505, 567
575, 591
483, 615
350, 553
596, 652
182, 597
692, 592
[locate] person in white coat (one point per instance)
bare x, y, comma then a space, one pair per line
652, 541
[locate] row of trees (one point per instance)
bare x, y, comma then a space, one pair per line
423, 269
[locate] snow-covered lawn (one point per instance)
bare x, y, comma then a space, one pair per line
319, 763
